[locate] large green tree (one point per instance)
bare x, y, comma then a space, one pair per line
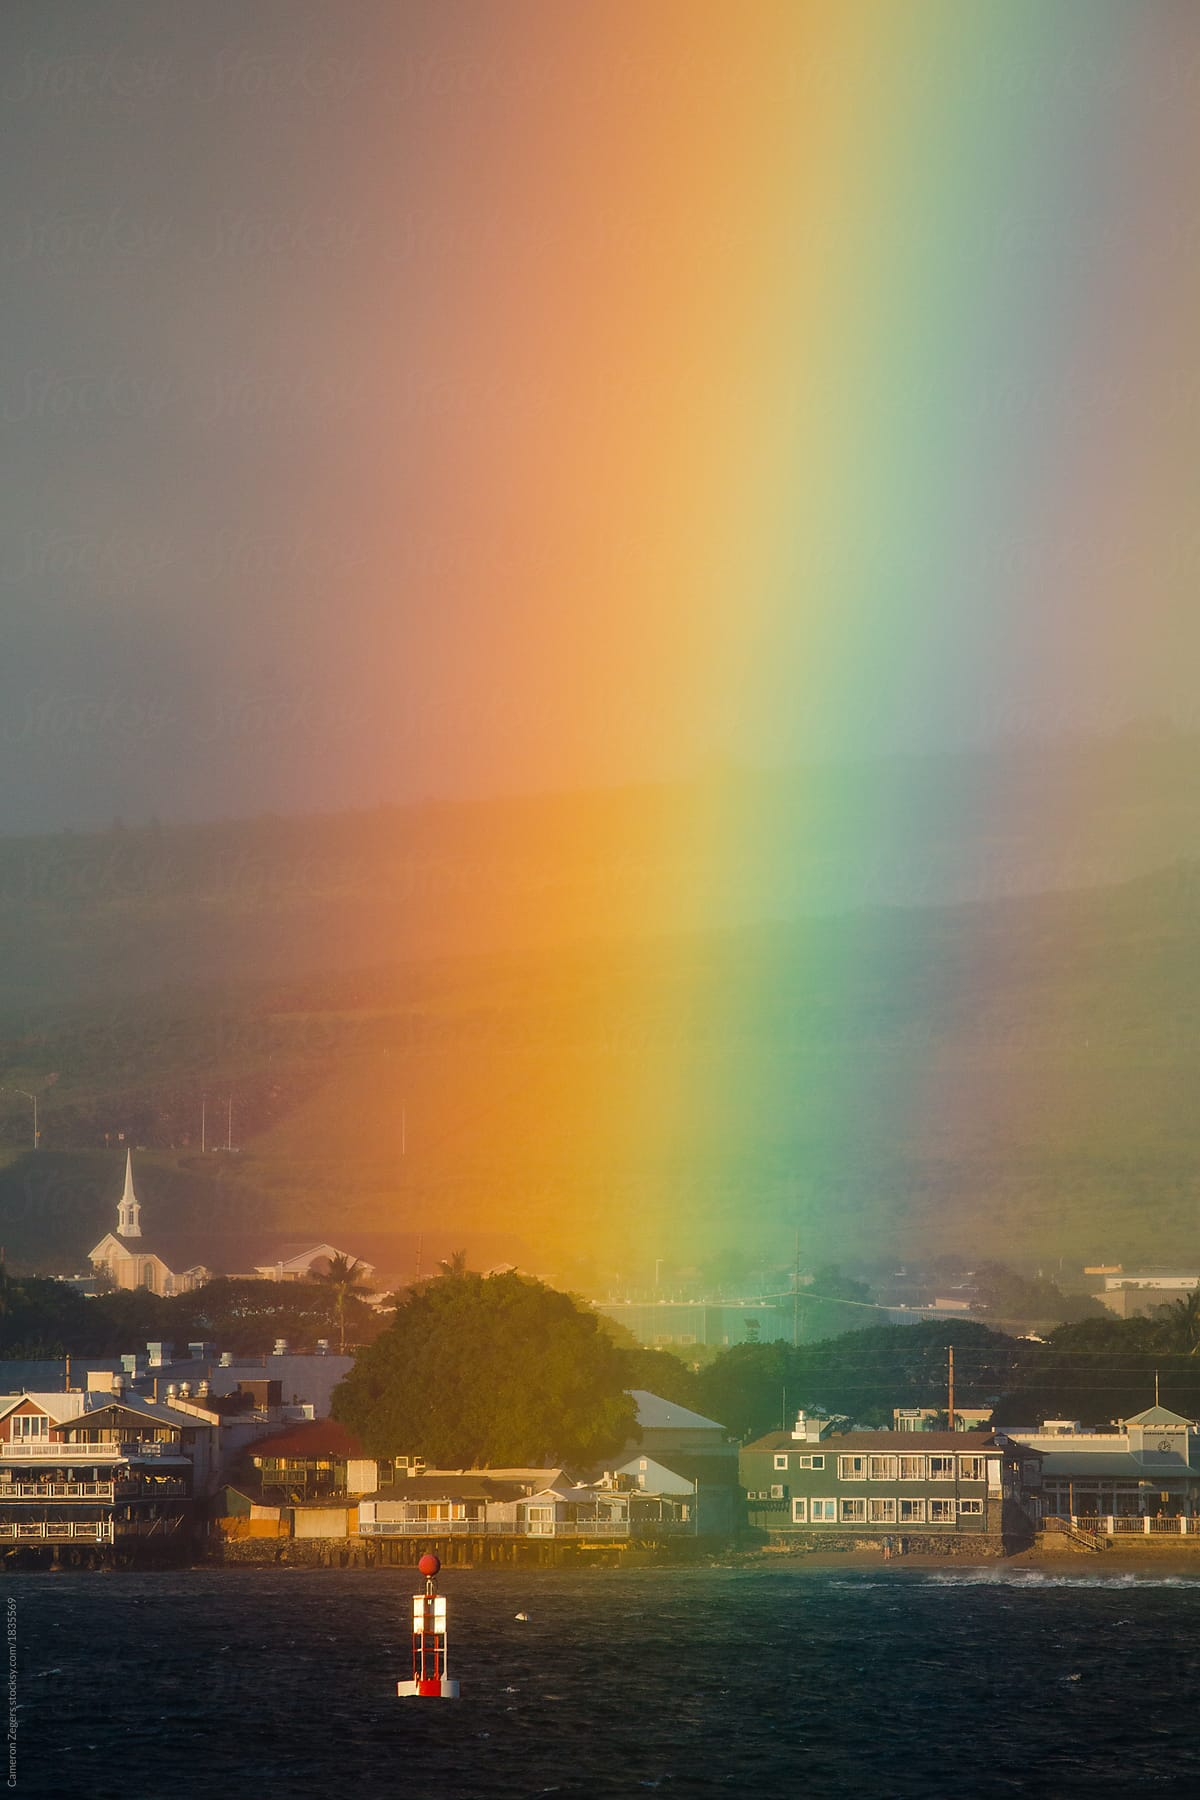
489, 1371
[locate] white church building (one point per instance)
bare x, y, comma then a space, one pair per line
130, 1263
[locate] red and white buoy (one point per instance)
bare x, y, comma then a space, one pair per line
429, 1679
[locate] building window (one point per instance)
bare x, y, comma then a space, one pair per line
812, 1462
912, 1512
941, 1512
777, 1491
781, 1461
823, 1512
941, 1468
972, 1468
799, 1512
912, 1468
30, 1425
881, 1468
854, 1512
883, 1512
851, 1468
974, 1507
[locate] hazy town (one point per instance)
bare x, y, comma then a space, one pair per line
300, 1410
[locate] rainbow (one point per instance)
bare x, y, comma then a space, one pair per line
776, 389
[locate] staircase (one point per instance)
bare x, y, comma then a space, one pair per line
1077, 1533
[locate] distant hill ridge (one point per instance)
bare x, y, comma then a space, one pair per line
128, 911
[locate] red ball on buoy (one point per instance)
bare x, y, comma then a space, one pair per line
429, 1563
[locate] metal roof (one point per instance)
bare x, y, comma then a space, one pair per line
1124, 1463
883, 1443
656, 1414
317, 1437
1158, 1415
450, 1487
153, 1411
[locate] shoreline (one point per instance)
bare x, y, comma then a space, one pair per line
1037, 1559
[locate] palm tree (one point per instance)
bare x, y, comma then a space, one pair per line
455, 1265
346, 1279
1181, 1324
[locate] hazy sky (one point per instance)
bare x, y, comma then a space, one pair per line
300, 301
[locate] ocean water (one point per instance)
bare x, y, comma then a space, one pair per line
280, 1684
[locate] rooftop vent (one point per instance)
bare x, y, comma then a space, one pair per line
807, 1429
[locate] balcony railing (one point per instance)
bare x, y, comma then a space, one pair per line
618, 1529
96, 1531
60, 1490
73, 1450
50, 1449
566, 1528
91, 1490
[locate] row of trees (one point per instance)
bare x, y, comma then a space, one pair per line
41, 1317
503, 1370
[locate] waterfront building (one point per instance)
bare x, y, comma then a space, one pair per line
1141, 1477
309, 1461
817, 1487
523, 1504
83, 1471
693, 1449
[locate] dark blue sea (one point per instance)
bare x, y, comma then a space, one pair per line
280, 1684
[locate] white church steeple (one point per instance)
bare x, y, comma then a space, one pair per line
129, 1222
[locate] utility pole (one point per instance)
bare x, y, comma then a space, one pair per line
950, 1380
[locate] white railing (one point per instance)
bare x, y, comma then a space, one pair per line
1132, 1525
52, 1449
562, 1528
597, 1528
75, 1450
96, 1531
